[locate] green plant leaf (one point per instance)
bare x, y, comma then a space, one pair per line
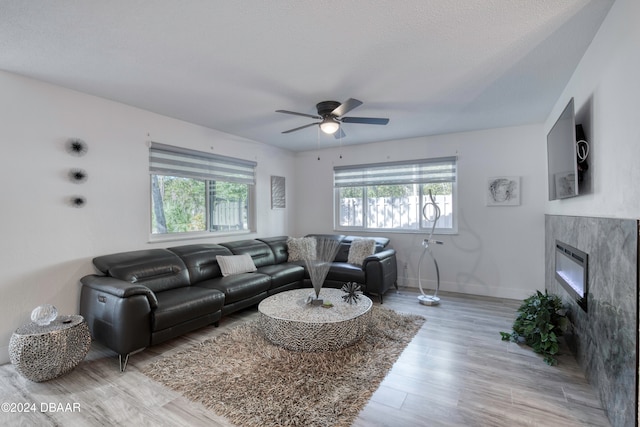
540, 320
506, 336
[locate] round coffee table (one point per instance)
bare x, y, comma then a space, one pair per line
288, 321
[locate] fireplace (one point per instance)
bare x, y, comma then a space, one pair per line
572, 272
605, 339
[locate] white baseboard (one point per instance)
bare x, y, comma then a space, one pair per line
429, 287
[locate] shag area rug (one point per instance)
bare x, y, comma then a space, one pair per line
252, 382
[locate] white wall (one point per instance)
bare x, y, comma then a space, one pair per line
498, 251
606, 89
48, 245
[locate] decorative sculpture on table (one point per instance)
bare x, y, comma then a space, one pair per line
44, 314
352, 292
318, 266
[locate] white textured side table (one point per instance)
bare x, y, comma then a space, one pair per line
288, 321
41, 353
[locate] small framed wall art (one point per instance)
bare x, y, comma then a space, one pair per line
565, 183
278, 192
503, 191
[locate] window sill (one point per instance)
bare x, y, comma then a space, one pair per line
394, 231
159, 238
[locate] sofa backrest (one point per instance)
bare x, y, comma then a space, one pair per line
259, 251
200, 260
278, 246
339, 256
345, 243
157, 269
163, 269
381, 242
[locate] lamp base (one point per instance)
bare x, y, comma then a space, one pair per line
429, 300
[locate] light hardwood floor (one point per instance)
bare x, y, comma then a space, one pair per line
455, 372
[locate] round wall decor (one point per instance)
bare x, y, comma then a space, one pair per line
78, 176
78, 201
77, 147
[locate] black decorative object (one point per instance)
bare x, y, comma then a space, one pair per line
77, 147
353, 292
78, 175
78, 201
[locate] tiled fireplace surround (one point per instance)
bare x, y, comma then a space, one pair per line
604, 339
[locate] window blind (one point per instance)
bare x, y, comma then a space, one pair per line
183, 162
442, 169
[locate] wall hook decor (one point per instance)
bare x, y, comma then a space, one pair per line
78, 201
78, 175
77, 147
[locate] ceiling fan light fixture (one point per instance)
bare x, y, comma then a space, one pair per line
331, 116
329, 125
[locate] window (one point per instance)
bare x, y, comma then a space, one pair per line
393, 196
198, 192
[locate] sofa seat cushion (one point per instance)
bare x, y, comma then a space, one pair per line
345, 272
283, 274
176, 306
238, 286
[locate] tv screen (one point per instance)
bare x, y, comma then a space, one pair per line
561, 156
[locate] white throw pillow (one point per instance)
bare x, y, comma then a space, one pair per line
301, 248
360, 249
235, 264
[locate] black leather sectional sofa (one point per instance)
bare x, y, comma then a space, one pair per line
142, 298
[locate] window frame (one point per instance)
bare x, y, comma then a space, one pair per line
179, 162
419, 179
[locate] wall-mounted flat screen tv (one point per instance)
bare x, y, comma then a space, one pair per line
561, 156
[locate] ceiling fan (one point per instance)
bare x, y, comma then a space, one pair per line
331, 115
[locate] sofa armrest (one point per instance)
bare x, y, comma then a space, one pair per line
381, 271
117, 312
119, 288
379, 256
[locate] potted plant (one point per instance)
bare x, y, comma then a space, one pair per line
541, 320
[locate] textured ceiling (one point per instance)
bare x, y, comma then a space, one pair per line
430, 66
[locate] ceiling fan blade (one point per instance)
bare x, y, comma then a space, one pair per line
346, 106
301, 127
298, 114
339, 134
365, 120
